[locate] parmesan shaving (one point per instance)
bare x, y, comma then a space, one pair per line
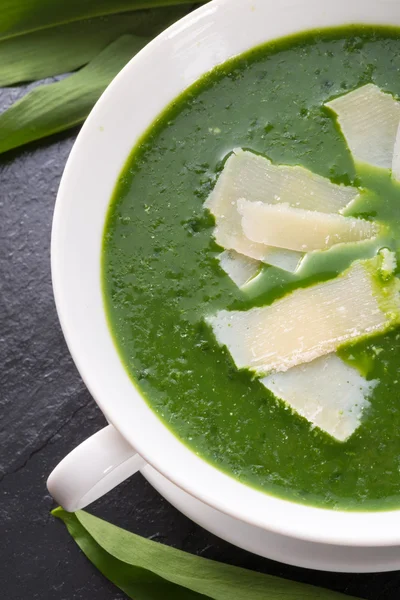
310, 322
251, 176
248, 175
283, 259
369, 120
298, 229
327, 392
238, 267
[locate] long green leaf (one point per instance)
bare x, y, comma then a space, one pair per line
23, 16
136, 582
127, 558
64, 48
58, 106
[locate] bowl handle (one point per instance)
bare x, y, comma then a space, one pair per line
92, 469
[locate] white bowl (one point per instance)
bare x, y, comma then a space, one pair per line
159, 73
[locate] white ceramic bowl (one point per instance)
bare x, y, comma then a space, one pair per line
159, 73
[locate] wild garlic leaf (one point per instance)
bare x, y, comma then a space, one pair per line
64, 48
141, 568
23, 16
55, 107
136, 582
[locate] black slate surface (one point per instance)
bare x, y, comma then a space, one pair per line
45, 411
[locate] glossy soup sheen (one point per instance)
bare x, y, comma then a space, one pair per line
161, 275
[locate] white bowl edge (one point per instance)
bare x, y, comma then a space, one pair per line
191, 47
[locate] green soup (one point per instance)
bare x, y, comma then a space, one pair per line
161, 275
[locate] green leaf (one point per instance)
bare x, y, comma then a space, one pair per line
64, 48
55, 107
136, 582
23, 16
131, 562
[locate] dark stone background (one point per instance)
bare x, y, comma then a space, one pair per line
45, 411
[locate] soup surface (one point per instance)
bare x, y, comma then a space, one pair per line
161, 274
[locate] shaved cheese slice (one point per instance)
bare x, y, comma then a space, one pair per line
283, 259
297, 229
238, 267
396, 157
248, 175
229, 234
369, 119
327, 392
310, 322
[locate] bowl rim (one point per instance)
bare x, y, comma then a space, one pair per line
204, 38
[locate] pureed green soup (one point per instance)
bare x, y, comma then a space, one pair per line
162, 277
